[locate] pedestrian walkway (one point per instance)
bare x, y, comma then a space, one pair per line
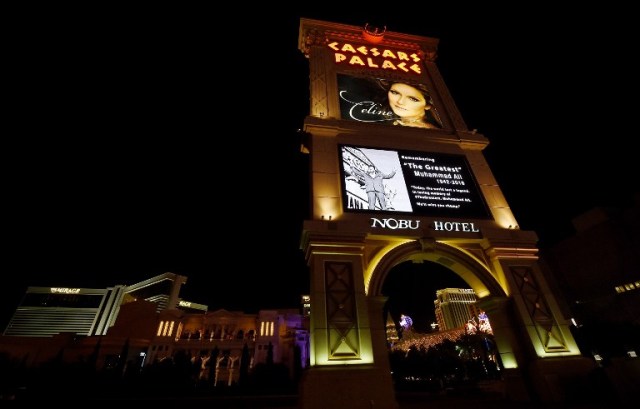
443, 401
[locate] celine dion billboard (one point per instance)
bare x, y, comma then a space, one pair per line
377, 100
421, 183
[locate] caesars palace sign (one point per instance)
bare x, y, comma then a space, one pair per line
394, 224
374, 57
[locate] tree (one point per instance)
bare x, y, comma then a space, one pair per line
212, 365
122, 360
270, 354
244, 365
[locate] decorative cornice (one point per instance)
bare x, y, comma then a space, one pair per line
513, 253
312, 37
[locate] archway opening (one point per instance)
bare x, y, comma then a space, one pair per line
433, 346
411, 289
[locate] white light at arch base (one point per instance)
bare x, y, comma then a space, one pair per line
405, 321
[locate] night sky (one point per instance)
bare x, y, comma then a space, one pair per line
147, 142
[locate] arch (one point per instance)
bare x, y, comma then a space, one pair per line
474, 273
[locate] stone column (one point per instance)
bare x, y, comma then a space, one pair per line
511, 354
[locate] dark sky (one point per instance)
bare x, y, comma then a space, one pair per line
137, 143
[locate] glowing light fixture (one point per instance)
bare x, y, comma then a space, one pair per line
374, 35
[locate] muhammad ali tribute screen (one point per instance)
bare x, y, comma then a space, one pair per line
422, 183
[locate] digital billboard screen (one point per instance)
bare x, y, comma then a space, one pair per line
422, 183
390, 102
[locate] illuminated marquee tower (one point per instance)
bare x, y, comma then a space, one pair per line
397, 176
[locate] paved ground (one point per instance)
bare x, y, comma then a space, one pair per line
488, 402
406, 400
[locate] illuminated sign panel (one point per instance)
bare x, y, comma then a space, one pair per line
377, 100
359, 55
438, 225
421, 183
64, 290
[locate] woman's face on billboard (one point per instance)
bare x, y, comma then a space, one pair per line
406, 101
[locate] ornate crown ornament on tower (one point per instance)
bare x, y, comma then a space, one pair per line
374, 35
